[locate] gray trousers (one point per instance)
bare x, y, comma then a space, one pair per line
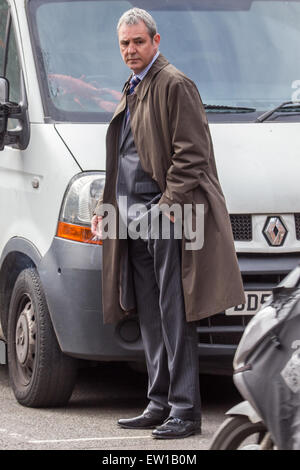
170, 342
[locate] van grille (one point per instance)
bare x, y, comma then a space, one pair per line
224, 329
241, 227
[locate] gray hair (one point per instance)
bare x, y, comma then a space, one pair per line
134, 16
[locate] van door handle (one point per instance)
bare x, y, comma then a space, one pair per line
35, 183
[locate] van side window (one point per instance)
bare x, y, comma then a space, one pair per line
3, 19
13, 69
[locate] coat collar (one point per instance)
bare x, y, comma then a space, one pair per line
142, 89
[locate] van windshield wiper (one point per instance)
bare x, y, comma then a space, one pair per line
228, 109
294, 106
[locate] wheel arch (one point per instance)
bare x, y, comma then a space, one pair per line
18, 254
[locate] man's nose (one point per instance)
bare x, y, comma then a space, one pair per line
131, 48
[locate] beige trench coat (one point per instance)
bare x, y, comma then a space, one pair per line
173, 141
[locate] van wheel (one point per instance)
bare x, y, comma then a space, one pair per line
40, 374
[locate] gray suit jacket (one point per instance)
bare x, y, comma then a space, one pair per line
133, 182
139, 188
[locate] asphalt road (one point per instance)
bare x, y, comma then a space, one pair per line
102, 395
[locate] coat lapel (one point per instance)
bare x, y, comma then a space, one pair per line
158, 65
140, 92
124, 131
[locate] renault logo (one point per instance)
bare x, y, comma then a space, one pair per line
275, 231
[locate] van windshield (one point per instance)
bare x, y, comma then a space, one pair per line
240, 53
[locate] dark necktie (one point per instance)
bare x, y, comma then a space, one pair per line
132, 84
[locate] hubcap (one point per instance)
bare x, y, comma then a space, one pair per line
22, 338
26, 337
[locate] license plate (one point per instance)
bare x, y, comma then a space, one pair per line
254, 300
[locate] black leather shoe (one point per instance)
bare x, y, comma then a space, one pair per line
147, 420
176, 428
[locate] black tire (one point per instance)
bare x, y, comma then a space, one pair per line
40, 374
234, 431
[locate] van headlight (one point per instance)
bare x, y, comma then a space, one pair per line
78, 206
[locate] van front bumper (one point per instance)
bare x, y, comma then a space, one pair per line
71, 276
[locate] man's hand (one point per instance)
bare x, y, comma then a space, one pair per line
96, 226
171, 217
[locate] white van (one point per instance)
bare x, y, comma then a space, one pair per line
62, 77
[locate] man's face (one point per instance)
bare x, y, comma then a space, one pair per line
136, 46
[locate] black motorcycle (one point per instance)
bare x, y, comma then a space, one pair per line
267, 374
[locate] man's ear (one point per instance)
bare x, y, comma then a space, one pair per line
156, 40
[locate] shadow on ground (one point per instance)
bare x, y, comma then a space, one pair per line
117, 385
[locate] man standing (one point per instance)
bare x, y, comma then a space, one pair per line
160, 153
